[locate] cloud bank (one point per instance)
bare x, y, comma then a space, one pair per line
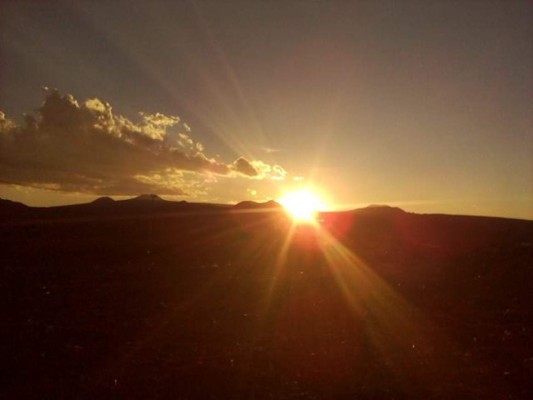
87, 148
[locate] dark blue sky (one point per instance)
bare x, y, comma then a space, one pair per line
422, 104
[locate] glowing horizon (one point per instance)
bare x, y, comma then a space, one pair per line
239, 109
302, 205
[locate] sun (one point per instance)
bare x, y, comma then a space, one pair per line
302, 205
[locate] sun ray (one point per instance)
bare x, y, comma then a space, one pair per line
302, 205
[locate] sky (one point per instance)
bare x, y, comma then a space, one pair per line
425, 105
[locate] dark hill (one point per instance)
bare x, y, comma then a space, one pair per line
198, 301
12, 209
103, 201
7, 206
146, 198
252, 205
146, 205
381, 209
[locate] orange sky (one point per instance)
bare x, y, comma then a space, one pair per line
422, 105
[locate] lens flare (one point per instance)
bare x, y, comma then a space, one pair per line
302, 205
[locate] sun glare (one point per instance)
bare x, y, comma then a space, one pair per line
302, 205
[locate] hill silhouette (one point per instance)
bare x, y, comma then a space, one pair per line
252, 205
147, 198
144, 298
101, 201
9, 204
105, 207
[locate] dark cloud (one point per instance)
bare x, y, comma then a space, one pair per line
87, 148
244, 167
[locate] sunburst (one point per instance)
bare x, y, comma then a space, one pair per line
302, 205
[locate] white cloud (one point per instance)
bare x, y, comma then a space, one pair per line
85, 147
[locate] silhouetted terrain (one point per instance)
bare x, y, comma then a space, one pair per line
146, 298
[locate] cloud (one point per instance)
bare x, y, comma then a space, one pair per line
270, 150
244, 167
87, 148
258, 169
265, 170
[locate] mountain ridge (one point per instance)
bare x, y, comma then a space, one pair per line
151, 203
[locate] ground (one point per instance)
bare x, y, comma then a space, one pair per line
375, 304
